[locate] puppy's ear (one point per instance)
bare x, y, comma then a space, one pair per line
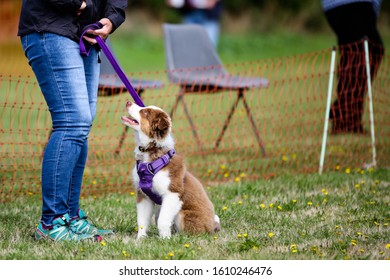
160, 125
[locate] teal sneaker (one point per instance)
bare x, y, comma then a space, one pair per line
60, 231
80, 225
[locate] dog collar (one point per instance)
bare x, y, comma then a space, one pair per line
146, 172
149, 147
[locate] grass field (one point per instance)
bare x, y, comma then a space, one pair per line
341, 215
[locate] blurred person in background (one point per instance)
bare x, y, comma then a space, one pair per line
50, 32
206, 13
352, 21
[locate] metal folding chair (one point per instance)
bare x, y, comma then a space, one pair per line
193, 64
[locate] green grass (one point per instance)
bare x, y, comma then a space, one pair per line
347, 218
339, 215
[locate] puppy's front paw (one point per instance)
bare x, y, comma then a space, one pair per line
141, 236
141, 232
164, 231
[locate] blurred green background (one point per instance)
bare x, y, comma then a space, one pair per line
250, 30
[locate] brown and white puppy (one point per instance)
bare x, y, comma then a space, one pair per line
185, 204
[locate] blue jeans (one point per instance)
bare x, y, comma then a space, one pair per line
210, 25
69, 83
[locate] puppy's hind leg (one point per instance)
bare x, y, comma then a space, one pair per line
217, 223
144, 216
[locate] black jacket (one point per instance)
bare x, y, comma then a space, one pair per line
60, 16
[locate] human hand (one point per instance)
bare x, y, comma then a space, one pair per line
82, 8
102, 32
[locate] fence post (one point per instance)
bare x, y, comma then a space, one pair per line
371, 107
326, 122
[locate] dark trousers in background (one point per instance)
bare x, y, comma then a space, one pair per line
352, 23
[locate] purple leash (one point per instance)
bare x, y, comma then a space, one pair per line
86, 48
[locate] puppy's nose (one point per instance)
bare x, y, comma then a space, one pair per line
128, 104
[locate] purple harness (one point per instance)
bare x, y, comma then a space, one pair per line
146, 172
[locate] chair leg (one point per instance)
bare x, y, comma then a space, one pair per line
180, 98
193, 127
121, 140
241, 95
227, 121
249, 114
177, 100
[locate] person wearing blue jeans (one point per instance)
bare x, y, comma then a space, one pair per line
50, 32
206, 13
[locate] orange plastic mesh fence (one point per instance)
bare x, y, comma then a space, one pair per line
279, 132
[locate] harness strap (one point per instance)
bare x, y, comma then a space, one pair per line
85, 49
146, 172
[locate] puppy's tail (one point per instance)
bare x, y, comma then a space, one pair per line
217, 223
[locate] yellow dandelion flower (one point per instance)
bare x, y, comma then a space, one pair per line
240, 202
125, 254
209, 171
294, 156
222, 166
171, 254
30, 193
372, 202
271, 205
324, 191
237, 179
359, 233
215, 237
81, 249
280, 207
224, 208
255, 248
385, 224
226, 174
362, 182
245, 235
262, 205
353, 242
310, 203
348, 170
377, 224
362, 172
270, 234
357, 186
361, 250
294, 201
387, 246
132, 193
94, 182
377, 181
244, 196
284, 158
239, 235
337, 167
242, 175
187, 245
103, 243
